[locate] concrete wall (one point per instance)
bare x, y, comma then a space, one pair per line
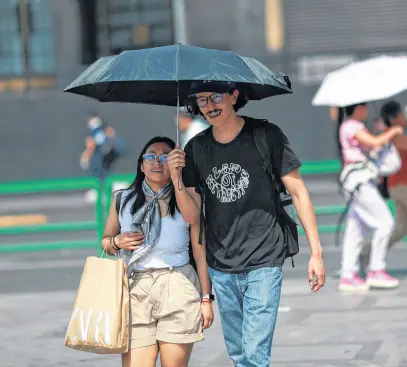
42, 133
236, 25
67, 40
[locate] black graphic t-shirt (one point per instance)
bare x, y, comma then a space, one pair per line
242, 231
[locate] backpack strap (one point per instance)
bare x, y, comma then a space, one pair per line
290, 230
259, 132
262, 147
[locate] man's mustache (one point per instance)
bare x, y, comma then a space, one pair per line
213, 111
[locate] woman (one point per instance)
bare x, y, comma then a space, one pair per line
168, 312
368, 208
394, 186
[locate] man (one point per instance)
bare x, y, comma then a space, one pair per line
392, 114
189, 127
244, 242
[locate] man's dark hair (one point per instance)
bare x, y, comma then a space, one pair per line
193, 109
389, 111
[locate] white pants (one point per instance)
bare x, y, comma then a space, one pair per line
399, 196
367, 211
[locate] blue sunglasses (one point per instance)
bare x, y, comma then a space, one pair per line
151, 158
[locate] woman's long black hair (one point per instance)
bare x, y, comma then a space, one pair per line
342, 113
340, 119
136, 186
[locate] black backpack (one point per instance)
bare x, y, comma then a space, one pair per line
282, 198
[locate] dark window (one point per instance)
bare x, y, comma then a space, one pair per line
41, 48
89, 26
40, 40
133, 24
11, 61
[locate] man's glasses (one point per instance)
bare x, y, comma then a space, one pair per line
151, 158
216, 98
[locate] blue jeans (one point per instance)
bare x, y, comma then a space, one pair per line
248, 304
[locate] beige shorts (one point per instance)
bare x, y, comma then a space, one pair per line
165, 306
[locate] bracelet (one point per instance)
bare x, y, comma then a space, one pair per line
206, 300
208, 296
115, 247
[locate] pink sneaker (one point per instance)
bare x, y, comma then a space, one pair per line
353, 285
380, 279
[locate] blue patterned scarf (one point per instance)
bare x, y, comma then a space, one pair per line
147, 220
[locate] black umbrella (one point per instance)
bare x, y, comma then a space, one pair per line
163, 75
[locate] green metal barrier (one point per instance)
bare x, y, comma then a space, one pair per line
320, 167
30, 187
47, 246
49, 227
103, 203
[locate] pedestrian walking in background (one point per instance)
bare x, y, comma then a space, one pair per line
392, 114
103, 147
368, 208
190, 126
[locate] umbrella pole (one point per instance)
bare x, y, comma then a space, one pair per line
178, 113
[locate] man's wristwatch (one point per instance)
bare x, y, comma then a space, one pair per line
208, 296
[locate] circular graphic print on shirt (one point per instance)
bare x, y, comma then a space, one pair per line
228, 183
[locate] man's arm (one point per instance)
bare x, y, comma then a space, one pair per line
188, 201
302, 203
199, 252
287, 167
185, 178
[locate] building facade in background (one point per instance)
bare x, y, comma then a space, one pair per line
26, 39
45, 44
303, 38
40, 40
324, 35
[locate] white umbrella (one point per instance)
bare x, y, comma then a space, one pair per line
363, 81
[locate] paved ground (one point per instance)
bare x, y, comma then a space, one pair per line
325, 329
37, 291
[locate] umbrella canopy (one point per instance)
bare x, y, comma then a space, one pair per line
163, 75
364, 81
